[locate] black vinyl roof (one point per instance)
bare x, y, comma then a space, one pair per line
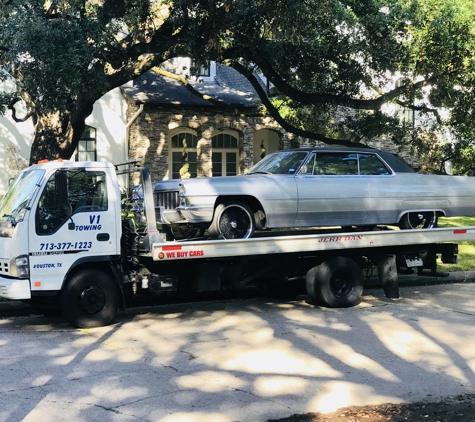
395, 163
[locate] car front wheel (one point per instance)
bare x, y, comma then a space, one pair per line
232, 220
418, 220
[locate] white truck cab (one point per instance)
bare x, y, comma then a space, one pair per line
54, 216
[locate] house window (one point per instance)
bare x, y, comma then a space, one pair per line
406, 115
184, 155
86, 150
201, 70
225, 155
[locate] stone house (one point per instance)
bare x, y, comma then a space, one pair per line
173, 129
217, 127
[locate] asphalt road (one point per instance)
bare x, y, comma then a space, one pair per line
248, 359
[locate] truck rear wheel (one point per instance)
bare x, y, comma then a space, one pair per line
336, 283
89, 299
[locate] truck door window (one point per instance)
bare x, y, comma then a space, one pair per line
86, 192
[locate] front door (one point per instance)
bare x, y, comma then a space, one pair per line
64, 231
331, 191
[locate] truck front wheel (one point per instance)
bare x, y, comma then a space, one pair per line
89, 299
336, 283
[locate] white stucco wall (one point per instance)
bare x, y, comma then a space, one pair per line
108, 117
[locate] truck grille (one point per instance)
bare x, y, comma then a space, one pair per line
167, 200
4, 267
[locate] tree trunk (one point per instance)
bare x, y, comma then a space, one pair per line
57, 134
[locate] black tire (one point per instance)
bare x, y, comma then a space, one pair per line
419, 220
277, 289
89, 299
336, 283
232, 220
184, 232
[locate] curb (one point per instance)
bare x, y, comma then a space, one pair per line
16, 307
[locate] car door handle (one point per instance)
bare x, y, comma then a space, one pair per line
102, 237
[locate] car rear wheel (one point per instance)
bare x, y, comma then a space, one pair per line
232, 220
419, 220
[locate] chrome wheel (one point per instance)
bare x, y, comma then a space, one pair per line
232, 221
419, 220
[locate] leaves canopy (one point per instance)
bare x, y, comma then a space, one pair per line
331, 64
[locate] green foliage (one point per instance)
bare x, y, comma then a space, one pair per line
466, 255
332, 64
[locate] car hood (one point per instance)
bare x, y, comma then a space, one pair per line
242, 184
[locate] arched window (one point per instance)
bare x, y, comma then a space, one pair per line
87, 148
225, 155
184, 155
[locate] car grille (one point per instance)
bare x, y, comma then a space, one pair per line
167, 200
4, 267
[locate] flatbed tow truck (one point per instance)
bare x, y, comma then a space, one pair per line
68, 239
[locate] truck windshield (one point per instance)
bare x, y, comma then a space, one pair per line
19, 194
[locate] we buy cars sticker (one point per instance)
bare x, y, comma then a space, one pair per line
179, 252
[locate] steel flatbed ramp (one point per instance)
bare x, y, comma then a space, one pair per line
307, 243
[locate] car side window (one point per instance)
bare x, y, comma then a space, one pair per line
336, 164
86, 192
370, 164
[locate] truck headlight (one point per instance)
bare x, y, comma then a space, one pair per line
20, 267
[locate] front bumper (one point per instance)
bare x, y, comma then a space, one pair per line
192, 215
14, 288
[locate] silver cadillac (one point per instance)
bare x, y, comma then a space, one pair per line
312, 187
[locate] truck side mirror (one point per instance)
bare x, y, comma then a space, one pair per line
61, 198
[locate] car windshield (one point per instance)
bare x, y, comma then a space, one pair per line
19, 194
287, 162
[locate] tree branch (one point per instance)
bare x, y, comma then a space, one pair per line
17, 119
433, 111
320, 98
276, 115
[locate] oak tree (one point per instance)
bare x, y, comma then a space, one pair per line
338, 71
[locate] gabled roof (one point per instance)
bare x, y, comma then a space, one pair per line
229, 87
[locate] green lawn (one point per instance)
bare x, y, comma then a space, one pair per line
466, 257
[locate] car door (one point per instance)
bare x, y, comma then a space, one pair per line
331, 191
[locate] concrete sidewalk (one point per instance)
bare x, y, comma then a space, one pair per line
247, 360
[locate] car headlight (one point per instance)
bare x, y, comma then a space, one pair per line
20, 266
182, 195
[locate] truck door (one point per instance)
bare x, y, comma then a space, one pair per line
74, 219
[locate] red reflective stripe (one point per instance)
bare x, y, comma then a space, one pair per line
460, 231
171, 248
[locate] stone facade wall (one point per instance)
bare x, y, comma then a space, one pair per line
150, 134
